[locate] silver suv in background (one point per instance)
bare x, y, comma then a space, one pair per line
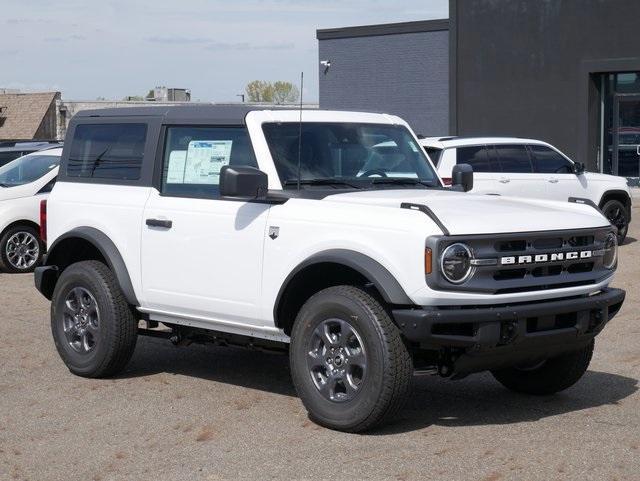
531, 168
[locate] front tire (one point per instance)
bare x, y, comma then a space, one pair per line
349, 364
548, 377
93, 327
616, 214
20, 249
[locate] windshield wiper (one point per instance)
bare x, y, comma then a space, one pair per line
400, 181
5, 185
320, 181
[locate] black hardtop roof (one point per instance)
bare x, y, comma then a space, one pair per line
216, 113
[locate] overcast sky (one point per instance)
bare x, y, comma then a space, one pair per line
113, 48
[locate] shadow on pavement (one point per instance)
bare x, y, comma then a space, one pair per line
241, 367
480, 400
629, 240
475, 400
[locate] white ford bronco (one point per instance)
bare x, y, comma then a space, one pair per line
325, 234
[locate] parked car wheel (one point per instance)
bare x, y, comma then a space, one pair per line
20, 249
349, 364
616, 213
93, 327
549, 376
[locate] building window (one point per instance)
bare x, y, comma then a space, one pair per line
619, 140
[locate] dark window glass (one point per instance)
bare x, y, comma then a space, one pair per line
476, 157
48, 187
356, 153
513, 158
27, 169
434, 154
107, 151
6, 157
548, 161
193, 158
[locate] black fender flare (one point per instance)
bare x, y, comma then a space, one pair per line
617, 192
390, 289
109, 252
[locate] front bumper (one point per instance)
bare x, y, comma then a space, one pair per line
489, 337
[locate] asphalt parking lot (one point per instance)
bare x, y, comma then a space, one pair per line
204, 412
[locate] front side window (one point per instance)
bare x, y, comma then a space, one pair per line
513, 159
107, 151
548, 161
356, 154
27, 169
476, 156
193, 157
434, 154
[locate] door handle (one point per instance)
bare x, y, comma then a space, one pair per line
159, 223
504, 181
553, 181
638, 149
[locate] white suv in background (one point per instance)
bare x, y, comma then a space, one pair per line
24, 182
531, 168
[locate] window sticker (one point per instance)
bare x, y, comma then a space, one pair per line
204, 160
175, 171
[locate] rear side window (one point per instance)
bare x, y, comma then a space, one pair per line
107, 151
193, 157
548, 161
513, 159
476, 156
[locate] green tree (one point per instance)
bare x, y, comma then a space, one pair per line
285, 92
259, 91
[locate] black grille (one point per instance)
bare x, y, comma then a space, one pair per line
502, 278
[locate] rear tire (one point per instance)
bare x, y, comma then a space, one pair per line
20, 249
349, 364
93, 327
553, 375
616, 214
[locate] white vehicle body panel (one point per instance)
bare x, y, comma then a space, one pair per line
114, 210
214, 261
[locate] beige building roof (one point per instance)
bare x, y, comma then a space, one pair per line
27, 115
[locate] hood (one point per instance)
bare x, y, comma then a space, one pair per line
463, 213
620, 182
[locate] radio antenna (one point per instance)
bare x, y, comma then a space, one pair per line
300, 130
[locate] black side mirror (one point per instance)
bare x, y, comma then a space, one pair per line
462, 177
578, 168
243, 182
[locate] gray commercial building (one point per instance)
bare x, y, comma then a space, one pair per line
564, 71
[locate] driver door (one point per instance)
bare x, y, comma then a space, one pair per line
202, 255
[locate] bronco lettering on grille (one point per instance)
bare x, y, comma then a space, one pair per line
541, 258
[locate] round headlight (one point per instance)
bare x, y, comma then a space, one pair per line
610, 256
455, 263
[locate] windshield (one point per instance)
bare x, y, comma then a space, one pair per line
27, 169
348, 154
